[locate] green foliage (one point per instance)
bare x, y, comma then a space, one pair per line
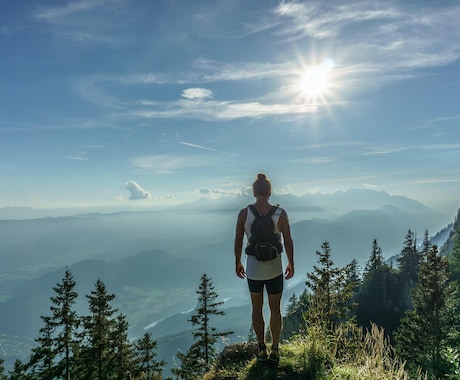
145, 352
54, 355
91, 347
431, 327
294, 319
2, 370
454, 254
199, 357
321, 339
380, 299
332, 291
315, 355
408, 265
19, 371
97, 352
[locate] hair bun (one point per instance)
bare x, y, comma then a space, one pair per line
261, 176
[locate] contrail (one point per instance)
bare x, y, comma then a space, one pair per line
202, 147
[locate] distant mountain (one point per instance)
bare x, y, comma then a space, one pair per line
148, 271
153, 260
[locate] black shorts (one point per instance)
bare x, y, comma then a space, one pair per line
274, 286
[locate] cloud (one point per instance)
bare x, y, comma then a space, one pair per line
168, 163
87, 22
385, 36
202, 147
375, 43
216, 193
136, 191
197, 93
77, 157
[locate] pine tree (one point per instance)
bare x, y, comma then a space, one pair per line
428, 329
332, 291
376, 261
65, 320
321, 283
123, 360
379, 298
426, 245
294, 319
57, 339
146, 362
454, 254
410, 259
2, 370
19, 371
43, 356
347, 286
252, 338
97, 352
199, 357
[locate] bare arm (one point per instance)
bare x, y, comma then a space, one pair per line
238, 245
285, 229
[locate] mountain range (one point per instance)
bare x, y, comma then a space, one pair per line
152, 260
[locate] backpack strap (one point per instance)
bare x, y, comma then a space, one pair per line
254, 210
273, 210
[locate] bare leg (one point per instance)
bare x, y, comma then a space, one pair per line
258, 322
274, 301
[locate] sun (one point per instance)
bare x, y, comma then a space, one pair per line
315, 80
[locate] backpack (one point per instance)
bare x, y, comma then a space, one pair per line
264, 243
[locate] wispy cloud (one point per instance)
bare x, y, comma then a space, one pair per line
389, 36
77, 157
168, 163
390, 149
374, 43
55, 14
216, 193
202, 147
86, 22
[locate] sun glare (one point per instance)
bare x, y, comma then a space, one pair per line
315, 80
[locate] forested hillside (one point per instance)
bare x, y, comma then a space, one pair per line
382, 323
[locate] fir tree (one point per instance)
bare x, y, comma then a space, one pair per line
321, 283
57, 337
347, 285
146, 362
379, 299
332, 290
65, 320
123, 360
19, 371
43, 356
199, 357
2, 370
409, 261
428, 329
294, 319
252, 338
426, 245
97, 352
376, 261
454, 255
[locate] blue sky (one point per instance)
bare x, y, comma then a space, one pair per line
149, 103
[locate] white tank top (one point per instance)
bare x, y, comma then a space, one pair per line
262, 270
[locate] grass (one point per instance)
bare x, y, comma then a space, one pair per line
317, 355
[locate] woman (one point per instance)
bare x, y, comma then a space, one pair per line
264, 274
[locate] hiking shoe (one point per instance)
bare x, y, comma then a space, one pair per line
274, 355
262, 355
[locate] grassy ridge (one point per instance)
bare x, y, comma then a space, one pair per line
317, 355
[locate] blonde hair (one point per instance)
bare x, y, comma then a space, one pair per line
262, 185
